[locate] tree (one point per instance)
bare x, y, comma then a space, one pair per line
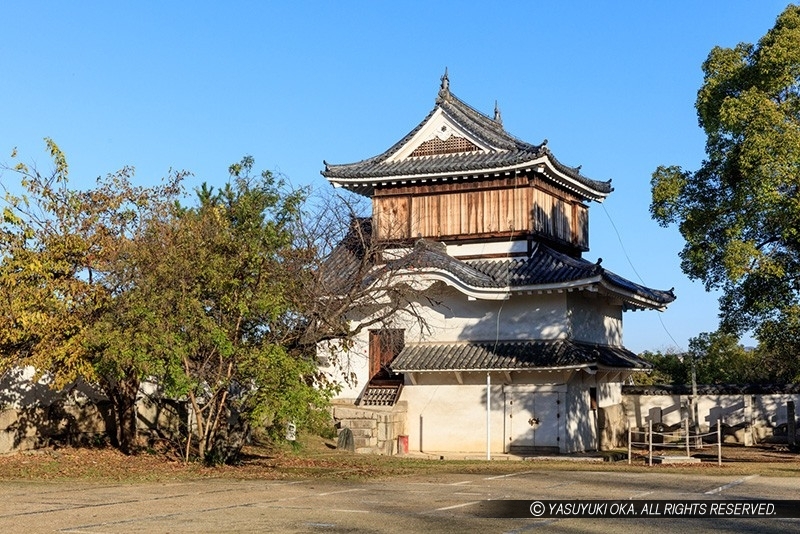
60, 250
739, 212
720, 359
355, 283
222, 303
219, 279
668, 368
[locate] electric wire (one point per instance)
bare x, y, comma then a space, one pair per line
630, 262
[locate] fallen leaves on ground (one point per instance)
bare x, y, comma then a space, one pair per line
319, 460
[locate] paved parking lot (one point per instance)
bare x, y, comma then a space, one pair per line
407, 504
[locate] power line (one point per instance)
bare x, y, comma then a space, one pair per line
627, 257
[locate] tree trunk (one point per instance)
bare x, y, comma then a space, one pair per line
122, 394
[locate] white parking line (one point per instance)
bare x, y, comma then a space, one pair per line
457, 506
508, 475
729, 485
340, 491
350, 511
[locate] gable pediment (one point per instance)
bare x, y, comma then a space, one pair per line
440, 135
437, 146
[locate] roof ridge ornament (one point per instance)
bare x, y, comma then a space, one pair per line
497, 117
444, 88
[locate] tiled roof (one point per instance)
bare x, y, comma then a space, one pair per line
545, 267
513, 356
346, 263
507, 152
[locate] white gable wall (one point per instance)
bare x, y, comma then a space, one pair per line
593, 319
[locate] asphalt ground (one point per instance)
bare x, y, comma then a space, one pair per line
442, 503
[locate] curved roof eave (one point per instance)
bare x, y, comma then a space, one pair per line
538, 369
370, 172
629, 298
543, 165
492, 293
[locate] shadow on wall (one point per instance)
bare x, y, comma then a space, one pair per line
21, 388
33, 415
59, 423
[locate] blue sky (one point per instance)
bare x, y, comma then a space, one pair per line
196, 86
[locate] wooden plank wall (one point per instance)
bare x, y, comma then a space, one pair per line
475, 210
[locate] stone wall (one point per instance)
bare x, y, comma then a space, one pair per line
748, 415
42, 426
612, 426
65, 422
375, 429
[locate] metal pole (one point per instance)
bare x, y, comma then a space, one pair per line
488, 416
695, 409
629, 442
650, 445
719, 442
687, 436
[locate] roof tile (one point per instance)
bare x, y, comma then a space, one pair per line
513, 356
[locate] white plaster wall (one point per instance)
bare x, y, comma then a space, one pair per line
452, 418
593, 319
581, 424
482, 249
521, 317
580, 420
772, 408
451, 318
445, 416
765, 409
609, 393
18, 390
349, 368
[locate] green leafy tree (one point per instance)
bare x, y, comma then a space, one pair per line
60, 250
739, 213
221, 303
720, 359
216, 283
669, 368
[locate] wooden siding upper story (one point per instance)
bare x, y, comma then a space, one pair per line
486, 209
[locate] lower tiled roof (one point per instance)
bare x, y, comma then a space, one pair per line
545, 267
513, 356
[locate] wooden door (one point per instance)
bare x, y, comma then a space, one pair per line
384, 346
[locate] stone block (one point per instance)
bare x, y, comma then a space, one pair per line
388, 431
358, 423
8, 418
362, 432
365, 442
349, 412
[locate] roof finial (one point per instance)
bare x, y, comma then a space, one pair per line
444, 88
497, 117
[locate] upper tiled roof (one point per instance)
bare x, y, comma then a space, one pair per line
513, 356
506, 152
